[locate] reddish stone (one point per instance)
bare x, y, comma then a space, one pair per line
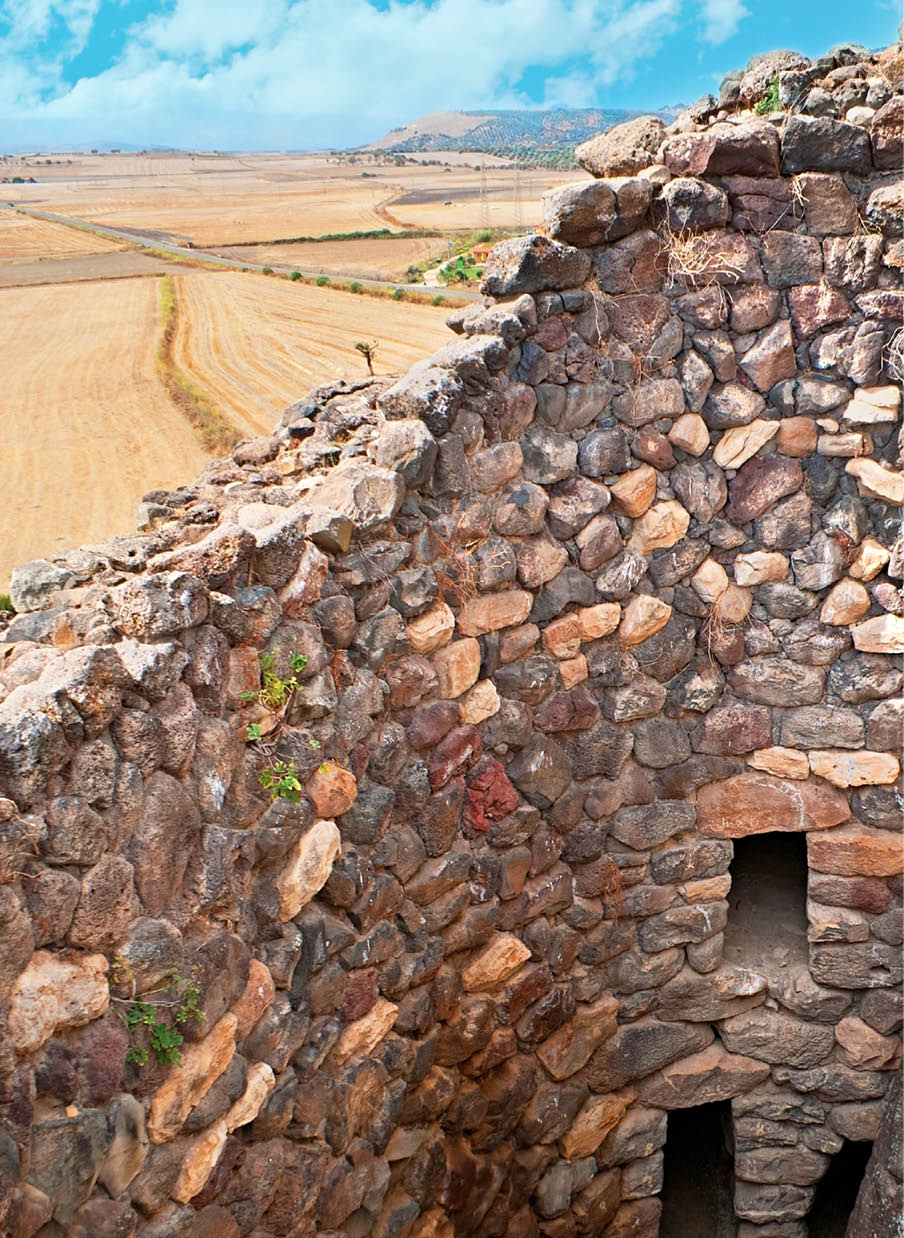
454, 754
815, 306
490, 795
734, 728
576, 710
758, 803
638, 319
759, 484
430, 723
360, 994
857, 851
653, 447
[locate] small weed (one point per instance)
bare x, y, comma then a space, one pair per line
253, 732
267, 271
160, 1016
281, 780
354, 286
274, 692
6, 604
398, 294
769, 102
322, 280
438, 300
294, 275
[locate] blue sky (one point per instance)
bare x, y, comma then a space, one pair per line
270, 74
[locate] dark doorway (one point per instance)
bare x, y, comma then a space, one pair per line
837, 1192
767, 902
698, 1174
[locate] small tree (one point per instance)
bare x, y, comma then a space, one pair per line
368, 352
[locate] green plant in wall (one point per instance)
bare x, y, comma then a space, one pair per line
153, 1021
281, 780
274, 691
769, 102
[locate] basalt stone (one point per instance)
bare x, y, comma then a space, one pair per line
533, 264
701, 487
821, 145
735, 728
759, 484
693, 204
640, 1048
542, 770
601, 750
645, 826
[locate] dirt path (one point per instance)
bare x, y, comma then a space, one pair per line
87, 427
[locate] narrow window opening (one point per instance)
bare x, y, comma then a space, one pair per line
767, 903
698, 1173
837, 1191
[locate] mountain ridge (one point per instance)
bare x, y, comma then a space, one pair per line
489, 129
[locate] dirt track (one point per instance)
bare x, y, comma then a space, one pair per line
87, 426
255, 344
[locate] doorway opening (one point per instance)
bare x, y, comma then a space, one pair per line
837, 1191
767, 902
698, 1173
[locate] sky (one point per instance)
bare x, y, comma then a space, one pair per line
306, 74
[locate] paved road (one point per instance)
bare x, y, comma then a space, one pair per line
202, 255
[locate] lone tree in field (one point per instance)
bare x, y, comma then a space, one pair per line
368, 352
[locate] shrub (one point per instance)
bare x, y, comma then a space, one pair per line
354, 286
322, 280
293, 275
6, 604
398, 294
267, 271
769, 102
439, 299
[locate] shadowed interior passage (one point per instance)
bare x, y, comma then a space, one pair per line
698, 1182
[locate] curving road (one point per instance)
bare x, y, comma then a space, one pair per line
202, 255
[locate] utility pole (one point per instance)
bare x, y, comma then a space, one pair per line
484, 199
519, 218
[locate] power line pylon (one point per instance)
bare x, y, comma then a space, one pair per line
519, 218
484, 198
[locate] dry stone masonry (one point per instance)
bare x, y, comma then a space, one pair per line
590, 624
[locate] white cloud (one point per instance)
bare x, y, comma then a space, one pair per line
277, 72
721, 19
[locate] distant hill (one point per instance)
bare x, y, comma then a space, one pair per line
504, 130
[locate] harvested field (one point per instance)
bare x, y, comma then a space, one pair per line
121, 264
88, 426
220, 201
253, 345
364, 259
23, 239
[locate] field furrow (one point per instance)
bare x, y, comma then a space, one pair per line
254, 344
87, 426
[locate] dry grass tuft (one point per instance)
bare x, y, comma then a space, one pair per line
695, 260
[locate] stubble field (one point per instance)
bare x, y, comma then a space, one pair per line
89, 424
255, 343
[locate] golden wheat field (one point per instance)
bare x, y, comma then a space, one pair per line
88, 427
90, 423
24, 239
255, 344
225, 200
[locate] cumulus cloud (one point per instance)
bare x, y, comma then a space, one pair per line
721, 19
302, 71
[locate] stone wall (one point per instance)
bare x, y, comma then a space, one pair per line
606, 584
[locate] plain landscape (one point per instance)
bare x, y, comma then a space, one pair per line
89, 395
